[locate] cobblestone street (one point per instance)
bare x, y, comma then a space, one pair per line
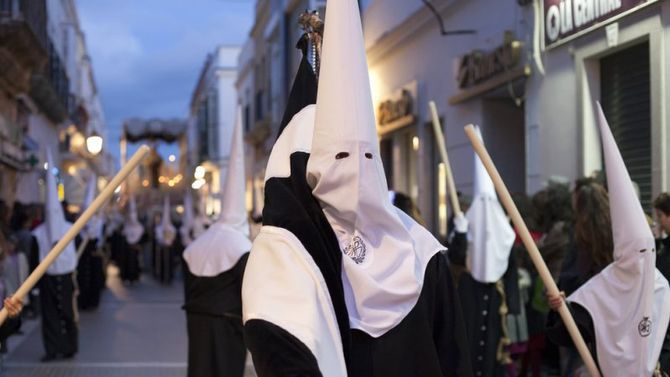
136, 331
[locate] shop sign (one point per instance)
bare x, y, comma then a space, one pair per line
478, 66
397, 110
567, 19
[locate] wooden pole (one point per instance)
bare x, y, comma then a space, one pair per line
534, 253
439, 138
41, 269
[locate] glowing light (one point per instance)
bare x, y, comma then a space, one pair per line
94, 143
415, 143
145, 183
46, 166
118, 190
199, 172
162, 179
180, 209
171, 183
172, 158
72, 170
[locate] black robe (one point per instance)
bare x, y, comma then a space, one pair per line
129, 261
428, 342
481, 309
213, 308
59, 327
90, 276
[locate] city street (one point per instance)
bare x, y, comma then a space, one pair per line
136, 331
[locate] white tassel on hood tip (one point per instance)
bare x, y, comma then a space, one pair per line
166, 232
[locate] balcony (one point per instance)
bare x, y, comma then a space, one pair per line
23, 42
50, 87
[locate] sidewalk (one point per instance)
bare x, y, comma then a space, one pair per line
137, 331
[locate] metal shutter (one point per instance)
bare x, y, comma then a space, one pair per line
626, 101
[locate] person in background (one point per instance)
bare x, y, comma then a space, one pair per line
407, 205
13, 322
26, 244
15, 267
662, 233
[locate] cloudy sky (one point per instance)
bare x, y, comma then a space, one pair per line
147, 54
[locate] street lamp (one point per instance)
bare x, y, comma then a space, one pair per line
94, 143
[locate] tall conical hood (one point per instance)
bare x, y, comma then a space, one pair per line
233, 209
93, 229
132, 229
54, 216
629, 300
344, 101
490, 235
346, 174
483, 185
187, 219
166, 232
628, 219
55, 226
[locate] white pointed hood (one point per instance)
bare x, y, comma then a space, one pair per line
490, 235
165, 231
201, 221
386, 251
219, 248
187, 220
629, 300
132, 229
93, 229
54, 226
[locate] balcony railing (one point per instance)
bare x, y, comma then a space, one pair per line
50, 88
23, 42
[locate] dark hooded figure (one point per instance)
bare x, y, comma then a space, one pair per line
340, 282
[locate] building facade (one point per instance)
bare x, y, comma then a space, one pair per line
212, 118
49, 100
527, 72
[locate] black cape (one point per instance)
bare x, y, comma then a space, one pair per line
213, 308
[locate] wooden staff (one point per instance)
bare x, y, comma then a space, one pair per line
41, 269
439, 138
534, 253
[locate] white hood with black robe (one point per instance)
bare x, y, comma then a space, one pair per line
93, 230
629, 300
335, 280
54, 226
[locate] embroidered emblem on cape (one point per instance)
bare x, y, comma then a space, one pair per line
644, 327
356, 250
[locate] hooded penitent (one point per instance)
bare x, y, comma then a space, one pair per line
93, 229
385, 252
490, 234
132, 228
629, 301
187, 220
296, 250
54, 226
220, 247
165, 231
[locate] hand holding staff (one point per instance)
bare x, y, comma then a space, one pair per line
41, 269
439, 137
534, 253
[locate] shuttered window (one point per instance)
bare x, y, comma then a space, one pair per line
626, 101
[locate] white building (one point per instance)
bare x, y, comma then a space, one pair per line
213, 112
50, 101
535, 125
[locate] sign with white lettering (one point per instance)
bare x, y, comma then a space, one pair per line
566, 19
